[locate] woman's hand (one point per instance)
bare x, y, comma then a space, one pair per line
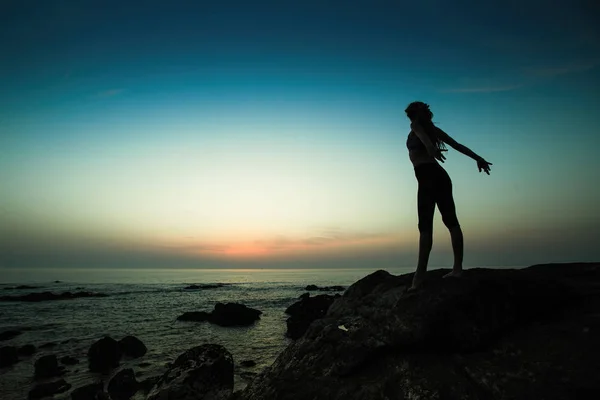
483, 165
439, 156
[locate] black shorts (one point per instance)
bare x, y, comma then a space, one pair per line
435, 187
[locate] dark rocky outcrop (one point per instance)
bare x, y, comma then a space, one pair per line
27, 350
47, 367
48, 345
87, 392
492, 334
205, 286
68, 360
49, 389
304, 312
47, 296
7, 335
335, 288
203, 372
104, 355
229, 314
132, 347
8, 356
123, 385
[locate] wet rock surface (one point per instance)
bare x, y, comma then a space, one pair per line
498, 334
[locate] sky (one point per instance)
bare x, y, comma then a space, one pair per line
271, 134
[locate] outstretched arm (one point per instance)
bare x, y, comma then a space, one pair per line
481, 163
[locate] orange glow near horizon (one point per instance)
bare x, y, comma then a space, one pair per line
286, 247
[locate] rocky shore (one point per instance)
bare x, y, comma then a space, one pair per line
531, 333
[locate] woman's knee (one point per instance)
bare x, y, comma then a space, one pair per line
451, 222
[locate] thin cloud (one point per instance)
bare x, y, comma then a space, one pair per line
110, 93
483, 89
572, 68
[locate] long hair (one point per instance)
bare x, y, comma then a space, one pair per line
419, 112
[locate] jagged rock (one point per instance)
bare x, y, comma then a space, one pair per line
492, 334
87, 392
7, 335
230, 314
46, 296
335, 288
123, 385
304, 312
49, 389
68, 360
132, 347
104, 355
47, 367
48, 345
8, 356
27, 350
203, 372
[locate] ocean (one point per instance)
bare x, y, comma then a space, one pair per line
145, 303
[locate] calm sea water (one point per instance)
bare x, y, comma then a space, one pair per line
145, 303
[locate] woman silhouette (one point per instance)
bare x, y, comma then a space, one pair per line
425, 146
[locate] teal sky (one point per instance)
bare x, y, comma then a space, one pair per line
272, 133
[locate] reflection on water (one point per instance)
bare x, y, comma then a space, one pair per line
146, 303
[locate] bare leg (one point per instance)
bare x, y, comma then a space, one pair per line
425, 244
456, 236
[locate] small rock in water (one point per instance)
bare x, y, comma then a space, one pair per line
49, 389
7, 335
132, 347
68, 360
248, 363
8, 356
47, 367
123, 385
27, 350
104, 355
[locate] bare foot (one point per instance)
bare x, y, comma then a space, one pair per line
454, 274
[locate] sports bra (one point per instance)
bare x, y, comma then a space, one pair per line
414, 143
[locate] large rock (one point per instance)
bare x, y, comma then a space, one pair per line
104, 355
493, 334
123, 385
230, 314
8, 356
304, 312
49, 389
132, 347
203, 372
47, 367
46, 296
